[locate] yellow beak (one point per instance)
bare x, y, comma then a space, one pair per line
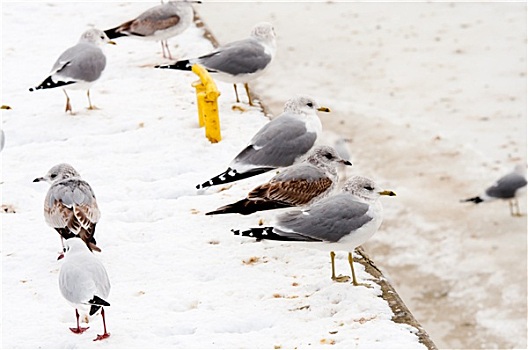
323, 109
111, 42
387, 193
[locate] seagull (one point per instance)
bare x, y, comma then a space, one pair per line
240, 61
279, 143
83, 282
70, 206
158, 23
297, 185
342, 221
506, 188
79, 67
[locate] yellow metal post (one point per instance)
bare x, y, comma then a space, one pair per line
207, 100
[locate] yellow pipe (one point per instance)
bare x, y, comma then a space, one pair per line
207, 100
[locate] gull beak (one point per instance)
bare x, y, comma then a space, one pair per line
387, 193
111, 42
61, 256
38, 179
346, 162
323, 109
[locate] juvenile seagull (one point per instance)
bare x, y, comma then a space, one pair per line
79, 67
343, 221
240, 61
506, 188
279, 143
158, 23
83, 282
297, 185
70, 206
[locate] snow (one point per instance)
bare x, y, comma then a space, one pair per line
179, 279
433, 96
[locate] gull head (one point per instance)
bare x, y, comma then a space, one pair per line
95, 36
264, 31
365, 189
303, 105
58, 173
326, 157
73, 245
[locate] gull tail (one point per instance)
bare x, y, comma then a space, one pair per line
96, 303
246, 207
180, 65
231, 175
49, 84
475, 200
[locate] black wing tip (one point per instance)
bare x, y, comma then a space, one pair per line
180, 65
96, 301
475, 200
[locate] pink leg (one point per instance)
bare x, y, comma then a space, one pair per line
105, 335
78, 330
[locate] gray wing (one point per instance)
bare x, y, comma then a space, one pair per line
240, 57
278, 144
328, 220
506, 186
160, 17
82, 62
71, 203
81, 279
296, 185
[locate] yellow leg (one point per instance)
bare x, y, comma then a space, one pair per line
334, 278
248, 94
68, 105
236, 93
354, 281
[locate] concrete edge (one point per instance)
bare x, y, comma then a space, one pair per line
401, 313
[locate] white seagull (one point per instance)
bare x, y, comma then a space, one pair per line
343, 221
506, 188
83, 282
79, 67
158, 23
240, 61
297, 185
70, 206
279, 143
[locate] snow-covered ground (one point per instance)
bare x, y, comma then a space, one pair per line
179, 279
433, 97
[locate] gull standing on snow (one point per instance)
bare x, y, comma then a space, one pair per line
79, 67
297, 185
70, 206
277, 144
343, 221
158, 23
239, 61
83, 282
506, 188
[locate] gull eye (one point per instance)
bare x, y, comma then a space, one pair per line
328, 156
309, 104
369, 188
53, 176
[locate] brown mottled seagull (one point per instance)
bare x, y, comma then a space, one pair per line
158, 23
70, 206
297, 185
